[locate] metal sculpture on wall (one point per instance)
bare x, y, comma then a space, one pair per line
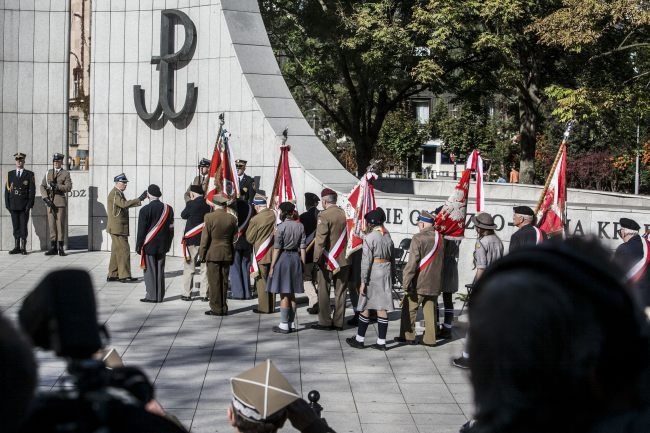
167, 62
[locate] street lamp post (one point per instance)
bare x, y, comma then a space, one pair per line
453, 159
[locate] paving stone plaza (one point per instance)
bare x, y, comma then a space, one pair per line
190, 357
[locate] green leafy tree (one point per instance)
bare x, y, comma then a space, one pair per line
401, 138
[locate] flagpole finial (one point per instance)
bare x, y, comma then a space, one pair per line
222, 118
567, 131
285, 135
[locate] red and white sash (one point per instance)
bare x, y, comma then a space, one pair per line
337, 249
426, 260
190, 234
259, 255
636, 272
153, 232
539, 236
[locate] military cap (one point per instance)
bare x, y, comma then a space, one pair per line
523, 210
219, 200
197, 189
375, 217
57, 157
241, 163
154, 190
120, 178
484, 220
287, 207
426, 217
261, 392
204, 162
327, 191
19, 155
629, 224
259, 200
310, 196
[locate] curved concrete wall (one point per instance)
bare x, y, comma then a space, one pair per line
235, 72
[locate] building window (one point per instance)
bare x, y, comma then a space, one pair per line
76, 83
429, 155
74, 131
422, 110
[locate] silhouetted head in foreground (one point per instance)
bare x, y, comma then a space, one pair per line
557, 343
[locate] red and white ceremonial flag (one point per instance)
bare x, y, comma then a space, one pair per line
475, 163
551, 207
450, 221
283, 185
360, 201
222, 174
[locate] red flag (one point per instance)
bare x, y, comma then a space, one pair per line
283, 185
361, 201
450, 221
222, 174
551, 210
475, 163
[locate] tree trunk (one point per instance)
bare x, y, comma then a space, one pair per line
527, 137
363, 149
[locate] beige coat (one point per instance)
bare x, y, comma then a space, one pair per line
331, 223
117, 208
63, 186
429, 281
259, 229
218, 236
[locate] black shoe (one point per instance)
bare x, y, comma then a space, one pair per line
352, 342
16, 249
112, 279
257, 311
354, 321
214, 313
153, 301
378, 346
461, 362
321, 327
23, 247
337, 328
403, 340
312, 310
444, 333
128, 280
281, 331
204, 299
52, 251
186, 298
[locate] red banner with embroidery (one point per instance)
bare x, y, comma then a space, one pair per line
636, 272
337, 249
360, 201
450, 221
283, 184
153, 232
426, 260
259, 255
190, 234
223, 173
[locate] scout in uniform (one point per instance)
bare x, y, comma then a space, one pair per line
20, 189
56, 183
119, 267
333, 266
260, 235
524, 218
194, 212
422, 281
202, 179
633, 256
246, 183
217, 252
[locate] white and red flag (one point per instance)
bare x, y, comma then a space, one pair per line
360, 201
475, 163
283, 185
222, 174
551, 208
450, 221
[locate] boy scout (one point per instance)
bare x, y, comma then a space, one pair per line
56, 183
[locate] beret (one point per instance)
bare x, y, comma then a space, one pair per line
629, 224
327, 191
196, 189
287, 207
523, 210
375, 217
154, 190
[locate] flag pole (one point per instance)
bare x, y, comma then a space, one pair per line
565, 139
274, 191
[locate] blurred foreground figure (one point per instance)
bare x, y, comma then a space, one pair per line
558, 344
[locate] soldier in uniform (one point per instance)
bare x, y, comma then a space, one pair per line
194, 212
422, 281
524, 218
153, 241
246, 183
240, 284
309, 219
56, 183
633, 257
202, 179
217, 251
20, 189
119, 267
333, 266
260, 235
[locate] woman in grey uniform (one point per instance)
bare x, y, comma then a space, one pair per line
376, 280
285, 273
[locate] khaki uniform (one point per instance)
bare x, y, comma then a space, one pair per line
331, 223
118, 227
423, 287
197, 181
217, 251
259, 229
56, 220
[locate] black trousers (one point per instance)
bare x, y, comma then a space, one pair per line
19, 219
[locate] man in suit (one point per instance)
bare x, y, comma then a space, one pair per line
202, 179
333, 266
240, 285
260, 235
20, 190
246, 183
56, 183
194, 212
217, 251
119, 267
524, 218
153, 241
309, 219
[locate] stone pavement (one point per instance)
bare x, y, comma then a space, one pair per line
190, 356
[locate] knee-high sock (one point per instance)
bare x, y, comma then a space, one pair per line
447, 299
363, 327
382, 324
284, 318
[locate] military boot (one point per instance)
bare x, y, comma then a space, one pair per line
16, 249
61, 252
23, 247
52, 251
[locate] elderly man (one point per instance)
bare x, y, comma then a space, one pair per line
633, 257
153, 241
56, 183
333, 266
202, 179
260, 235
20, 190
194, 212
246, 183
523, 218
117, 207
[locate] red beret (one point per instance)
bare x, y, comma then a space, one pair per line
327, 191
